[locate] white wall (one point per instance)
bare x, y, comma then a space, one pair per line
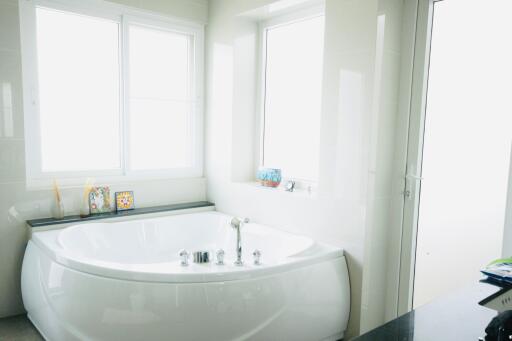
18, 204
385, 191
194, 10
361, 78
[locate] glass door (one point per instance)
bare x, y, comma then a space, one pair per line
459, 149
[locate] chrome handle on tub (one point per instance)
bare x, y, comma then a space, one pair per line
257, 256
201, 257
184, 257
220, 257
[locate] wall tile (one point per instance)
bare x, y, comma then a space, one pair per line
13, 239
350, 25
12, 160
196, 10
385, 120
392, 11
11, 100
9, 26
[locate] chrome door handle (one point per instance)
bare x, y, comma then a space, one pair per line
410, 184
414, 177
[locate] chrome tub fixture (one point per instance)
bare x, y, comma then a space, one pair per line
257, 256
237, 224
220, 257
201, 257
184, 257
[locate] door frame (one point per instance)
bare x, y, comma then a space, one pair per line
414, 154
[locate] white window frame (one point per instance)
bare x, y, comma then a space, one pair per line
316, 10
124, 16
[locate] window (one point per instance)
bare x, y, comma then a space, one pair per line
79, 111
160, 100
292, 89
111, 93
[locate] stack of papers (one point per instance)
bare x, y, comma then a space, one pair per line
499, 270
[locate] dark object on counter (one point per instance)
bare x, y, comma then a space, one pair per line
500, 327
453, 317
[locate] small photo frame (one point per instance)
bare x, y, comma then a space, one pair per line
125, 201
99, 200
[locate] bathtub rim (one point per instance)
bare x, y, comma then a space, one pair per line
47, 243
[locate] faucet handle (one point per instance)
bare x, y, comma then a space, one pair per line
184, 257
220, 257
257, 256
238, 222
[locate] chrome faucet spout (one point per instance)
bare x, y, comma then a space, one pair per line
236, 223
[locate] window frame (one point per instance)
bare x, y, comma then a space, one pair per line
287, 18
124, 16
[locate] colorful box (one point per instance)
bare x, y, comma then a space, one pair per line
99, 200
269, 177
125, 201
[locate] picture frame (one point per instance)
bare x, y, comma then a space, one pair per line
125, 200
99, 200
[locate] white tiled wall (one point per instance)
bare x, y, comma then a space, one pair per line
360, 102
18, 204
382, 200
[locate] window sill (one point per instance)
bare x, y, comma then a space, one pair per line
296, 193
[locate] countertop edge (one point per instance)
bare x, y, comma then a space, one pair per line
143, 210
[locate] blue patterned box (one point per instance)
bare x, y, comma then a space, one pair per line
269, 177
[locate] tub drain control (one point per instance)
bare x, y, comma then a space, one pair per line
201, 257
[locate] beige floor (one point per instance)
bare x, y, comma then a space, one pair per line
18, 328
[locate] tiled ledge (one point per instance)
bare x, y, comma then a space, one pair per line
145, 210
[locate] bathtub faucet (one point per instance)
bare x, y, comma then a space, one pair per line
236, 223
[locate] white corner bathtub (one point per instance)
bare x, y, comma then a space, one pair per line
124, 281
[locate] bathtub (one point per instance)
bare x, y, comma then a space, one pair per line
125, 281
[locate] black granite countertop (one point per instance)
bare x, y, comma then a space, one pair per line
455, 317
143, 210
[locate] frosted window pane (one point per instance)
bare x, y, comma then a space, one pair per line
78, 70
159, 134
159, 64
293, 91
160, 107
